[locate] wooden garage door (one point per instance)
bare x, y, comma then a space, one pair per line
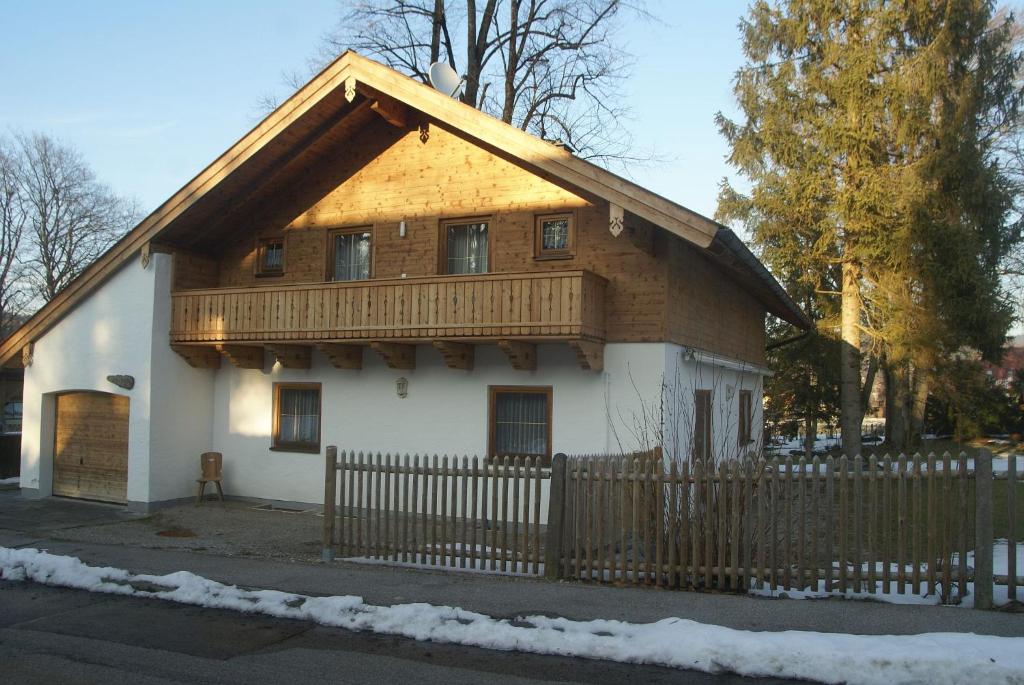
90, 452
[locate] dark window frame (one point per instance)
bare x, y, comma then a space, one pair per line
746, 408
348, 230
568, 252
703, 426
442, 242
276, 444
492, 406
259, 270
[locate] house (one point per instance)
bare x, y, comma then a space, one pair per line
380, 267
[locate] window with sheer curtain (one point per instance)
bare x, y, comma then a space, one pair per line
297, 416
520, 422
466, 246
351, 251
270, 257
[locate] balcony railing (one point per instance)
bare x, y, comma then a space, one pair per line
561, 305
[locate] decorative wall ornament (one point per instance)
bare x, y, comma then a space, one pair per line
145, 255
402, 387
616, 219
122, 381
350, 89
28, 354
424, 132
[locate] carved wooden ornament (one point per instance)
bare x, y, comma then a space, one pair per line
616, 219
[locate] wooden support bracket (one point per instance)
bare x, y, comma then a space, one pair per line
391, 111
199, 356
292, 356
396, 355
343, 356
522, 355
243, 356
350, 88
456, 355
590, 354
28, 353
616, 219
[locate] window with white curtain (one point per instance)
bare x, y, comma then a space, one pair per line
297, 416
351, 250
466, 245
520, 422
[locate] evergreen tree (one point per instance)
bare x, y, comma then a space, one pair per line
873, 177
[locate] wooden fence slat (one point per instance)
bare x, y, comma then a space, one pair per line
464, 543
734, 536
696, 527
516, 476
830, 521
536, 515
964, 522
599, 515
659, 519
748, 520
434, 467
378, 469
816, 561
801, 531
888, 517
872, 548
363, 511
844, 517
1011, 526
684, 523
474, 511
932, 522
414, 543
527, 492
637, 544
711, 505
916, 525
673, 524
622, 518
761, 524
901, 525
588, 522
787, 494
774, 518
387, 507
858, 523
494, 513
947, 515
504, 514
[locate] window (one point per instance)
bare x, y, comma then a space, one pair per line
702, 445
296, 417
350, 254
10, 422
746, 417
270, 257
520, 422
554, 236
464, 247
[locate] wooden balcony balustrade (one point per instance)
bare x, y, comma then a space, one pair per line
505, 307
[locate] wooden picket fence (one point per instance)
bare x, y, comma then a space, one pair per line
454, 512
878, 525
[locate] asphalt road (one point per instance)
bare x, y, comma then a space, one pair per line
54, 635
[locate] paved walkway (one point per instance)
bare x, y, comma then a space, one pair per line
497, 595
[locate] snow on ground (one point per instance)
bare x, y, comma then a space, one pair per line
824, 657
1000, 593
13, 480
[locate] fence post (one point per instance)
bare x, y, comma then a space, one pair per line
556, 519
983, 487
330, 496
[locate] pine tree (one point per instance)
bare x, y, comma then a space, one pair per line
865, 141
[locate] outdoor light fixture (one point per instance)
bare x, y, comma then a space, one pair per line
401, 229
402, 387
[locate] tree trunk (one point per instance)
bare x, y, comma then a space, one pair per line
810, 434
918, 403
849, 397
897, 426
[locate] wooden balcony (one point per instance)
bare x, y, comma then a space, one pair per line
506, 308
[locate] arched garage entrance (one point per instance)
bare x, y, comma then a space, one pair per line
90, 446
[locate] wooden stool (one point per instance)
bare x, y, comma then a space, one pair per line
211, 464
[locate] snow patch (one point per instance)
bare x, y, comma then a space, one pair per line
824, 657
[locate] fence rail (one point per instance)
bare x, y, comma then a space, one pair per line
918, 525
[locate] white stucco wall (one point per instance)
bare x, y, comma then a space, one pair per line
445, 411
121, 328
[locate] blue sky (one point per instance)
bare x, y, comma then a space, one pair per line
151, 92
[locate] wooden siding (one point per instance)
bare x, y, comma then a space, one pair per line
709, 311
559, 305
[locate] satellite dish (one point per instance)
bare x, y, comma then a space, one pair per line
445, 79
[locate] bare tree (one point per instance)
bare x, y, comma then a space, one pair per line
554, 68
13, 218
72, 218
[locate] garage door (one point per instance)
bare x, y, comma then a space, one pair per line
90, 451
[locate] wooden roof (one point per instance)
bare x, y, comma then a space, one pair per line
313, 121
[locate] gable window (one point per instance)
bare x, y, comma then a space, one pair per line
350, 254
296, 417
520, 422
746, 417
465, 247
702, 445
554, 236
270, 256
